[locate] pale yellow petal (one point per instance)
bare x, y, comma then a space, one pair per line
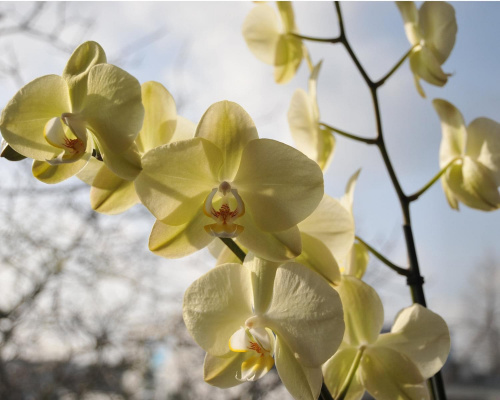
47, 173
287, 59
212, 315
261, 31
77, 71
171, 185
263, 274
409, 13
287, 17
181, 240
438, 26
356, 262
126, 164
230, 128
26, 114
450, 197
88, 173
347, 200
279, 185
335, 372
454, 131
388, 374
111, 194
425, 65
303, 383
332, 224
303, 125
222, 371
363, 311
306, 313
422, 336
184, 129
113, 108
480, 182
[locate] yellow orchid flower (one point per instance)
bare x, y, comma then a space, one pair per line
270, 39
313, 140
226, 182
474, 177
432, 30
393, 365
59, 121
111, 194
248, 318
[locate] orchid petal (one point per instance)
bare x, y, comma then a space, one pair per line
277, 198
336, 370
483, 144
422, 336
111, 194
357, 260
439, 28
230, 128
388, 374
88, 173
287, 59
263, 274
306, 313
424, 64
287, 16
212, 315
160, 117
261, 31
454, 131
221, 371
181, 240
25, 116
184, 129
77, 70
127, 164
363, 311
347, 199
409, 13
173, 189
450, 196
480, 182
47, 173
332, 224
303, 383
113, 108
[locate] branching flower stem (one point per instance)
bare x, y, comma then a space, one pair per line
414, 278
349, 135
238, 252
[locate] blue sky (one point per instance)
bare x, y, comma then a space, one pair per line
202, 58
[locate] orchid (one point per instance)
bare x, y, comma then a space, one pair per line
393, 365
60, 121
472, 157
271, 39
226, 182
267, 314
313, 140
431, 31
111, 194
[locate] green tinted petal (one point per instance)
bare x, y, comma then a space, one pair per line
303, 125
326, 148
160, 117
424, 64
26, 114
422, 336
287, 59
332, 224
273, 246
303, 383
111, 194
409, 13
319, 258
47, 173
181, 240
230, 128
387, 374
173, 187
480, 182
347, 199
88, 173
287, 18
221, 371
357, 260
454, 131
184, 129
217, 305
306, 314
126, 164
263, 275
363, 311
77, 70
483, 144
113, 108
439, 28
335, 372
261, 32
279, 185
450, 197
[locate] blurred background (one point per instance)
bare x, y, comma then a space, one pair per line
86, 312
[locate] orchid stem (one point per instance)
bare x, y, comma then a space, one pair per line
414, 278
391, 265
395, 68
315, 39
350, 375
416, 195
349, 135
234, 248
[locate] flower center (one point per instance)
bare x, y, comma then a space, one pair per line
224, 217
72, 138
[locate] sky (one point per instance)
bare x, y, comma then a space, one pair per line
202, 58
